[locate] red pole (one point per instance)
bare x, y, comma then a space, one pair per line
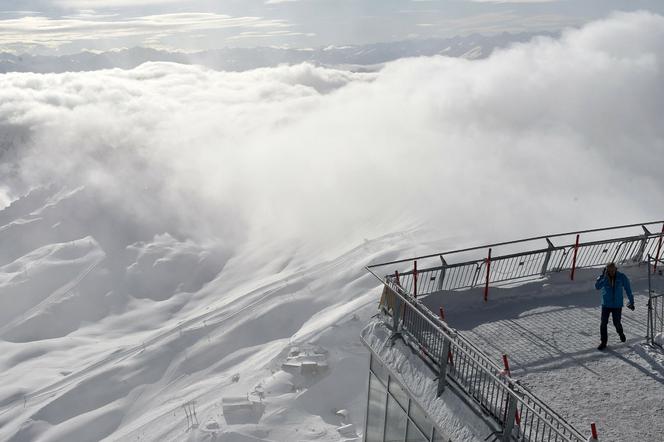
659, 249
488, 270
576, 248
593, 428
415, 279
506, 364
442, 318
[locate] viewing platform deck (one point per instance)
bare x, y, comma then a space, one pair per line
534, 304
550, 331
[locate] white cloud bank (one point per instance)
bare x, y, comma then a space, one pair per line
103, 4
514, 1
48, 32
549, 135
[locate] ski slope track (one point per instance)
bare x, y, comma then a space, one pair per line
94, 357
88, 352
121, 354
58, 294
192, 266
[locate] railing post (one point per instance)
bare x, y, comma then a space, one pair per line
488, 272
442, 273
506, 371
659, 249
478, 269
511, 415
396, 309
442, 376
576, 249
547, 258
650, 324
642, 248
506, 364
415, 279
396, 315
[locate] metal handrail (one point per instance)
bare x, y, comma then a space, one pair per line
518, 241
503, 398
454, 334
478, 376
521, 265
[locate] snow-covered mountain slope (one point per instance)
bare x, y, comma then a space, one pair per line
98, 343
201, 235
363, 57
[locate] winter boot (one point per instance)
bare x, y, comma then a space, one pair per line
622, 337
601, 346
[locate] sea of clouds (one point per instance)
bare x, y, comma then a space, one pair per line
549, 135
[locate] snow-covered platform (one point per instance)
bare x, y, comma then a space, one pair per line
550, 330
415, 390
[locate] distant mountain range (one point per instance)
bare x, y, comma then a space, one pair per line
361, 57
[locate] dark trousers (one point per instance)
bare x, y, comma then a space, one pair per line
616, 314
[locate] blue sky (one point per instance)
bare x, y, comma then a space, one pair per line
63, 26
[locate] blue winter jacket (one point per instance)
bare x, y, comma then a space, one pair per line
612, 295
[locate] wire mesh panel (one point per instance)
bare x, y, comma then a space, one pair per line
478, 379
522, 415
511, 405
655, 327
656, 320
527, 259
535, 423
460, 276
654, 247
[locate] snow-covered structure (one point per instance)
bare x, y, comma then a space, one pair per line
430, 381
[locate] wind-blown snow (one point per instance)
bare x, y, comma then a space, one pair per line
309, 153
659, 339
456, 418
189, 225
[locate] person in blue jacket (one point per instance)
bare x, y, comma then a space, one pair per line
612, 282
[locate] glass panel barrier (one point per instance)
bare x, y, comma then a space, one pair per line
395, 428
438, 437
399, 393
414, 435
376, 412
379, 369
420, 417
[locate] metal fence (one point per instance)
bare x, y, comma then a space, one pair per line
521, 416
655, 302
523, 260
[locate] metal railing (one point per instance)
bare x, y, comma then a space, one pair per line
655, 321
522, 260
521, 415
